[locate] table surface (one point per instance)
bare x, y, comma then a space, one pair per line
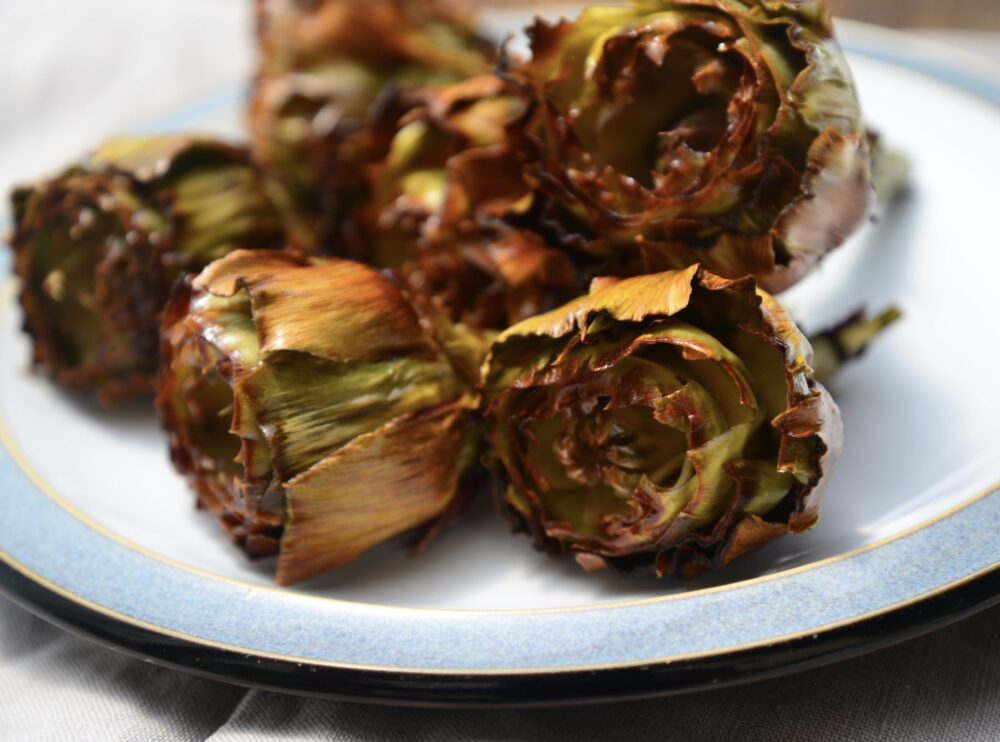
55, 686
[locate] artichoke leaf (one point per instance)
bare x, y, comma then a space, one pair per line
296, 395
386, 482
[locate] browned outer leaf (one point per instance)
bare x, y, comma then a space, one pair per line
381, 485
337, 309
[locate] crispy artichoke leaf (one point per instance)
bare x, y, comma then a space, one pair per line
226, 323
380, 485
848, 340
308, 407
662, 294
332, 310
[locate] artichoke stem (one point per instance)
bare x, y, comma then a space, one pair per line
848, 340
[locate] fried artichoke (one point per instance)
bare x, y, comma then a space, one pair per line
313, 409
719, 132
667, 422
98, 247
328, 70
443, 208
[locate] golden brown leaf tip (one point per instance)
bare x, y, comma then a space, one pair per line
669, 422
328, 72
314, 409
444, 204
712, 131
98, 247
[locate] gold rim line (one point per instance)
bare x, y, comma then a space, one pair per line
13, 450
489, 672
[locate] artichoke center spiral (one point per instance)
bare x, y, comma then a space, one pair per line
677, 93
617, 448
631, 429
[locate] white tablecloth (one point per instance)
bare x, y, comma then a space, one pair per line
946, 686
72, 72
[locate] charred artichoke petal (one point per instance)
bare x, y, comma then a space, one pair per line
668, 422
412, 463
295, 396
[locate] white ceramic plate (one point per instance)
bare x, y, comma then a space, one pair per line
100, 533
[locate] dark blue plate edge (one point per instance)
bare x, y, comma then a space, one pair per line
514, 690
